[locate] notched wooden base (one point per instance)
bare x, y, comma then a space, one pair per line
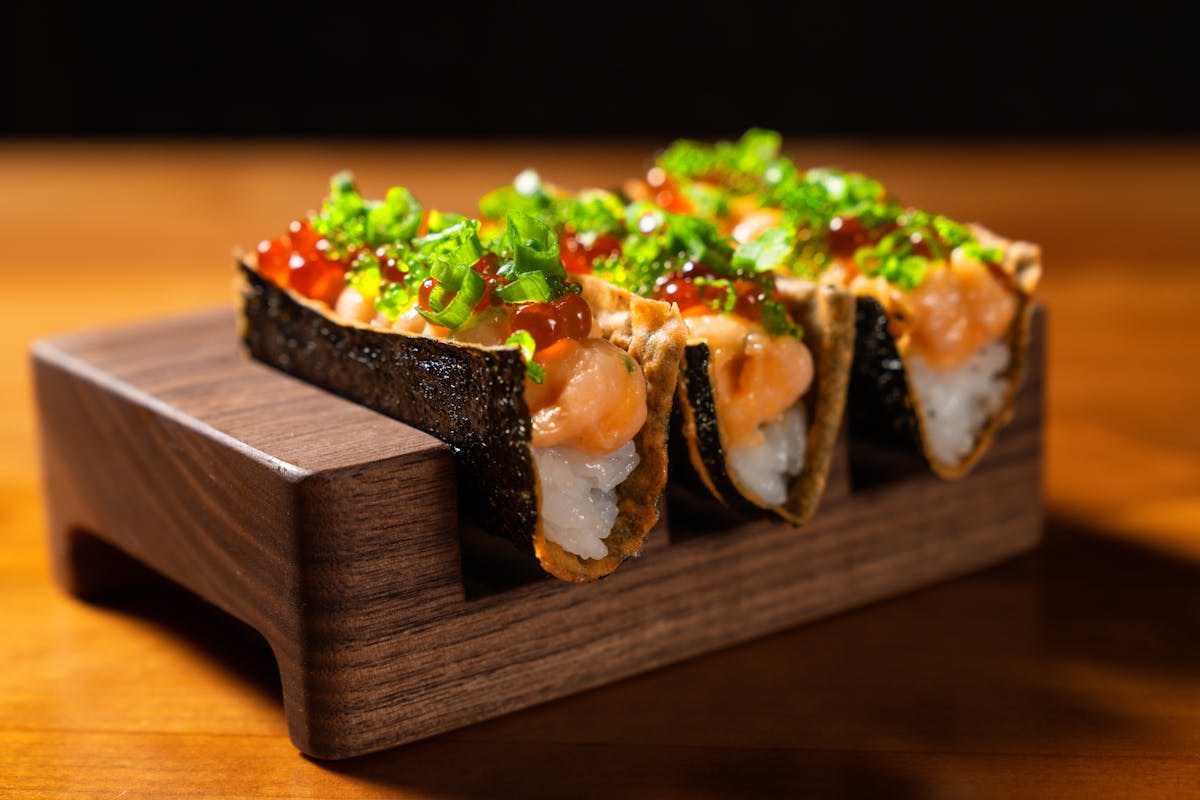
333, 532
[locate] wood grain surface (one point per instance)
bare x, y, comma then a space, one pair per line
1074, 672
164, 442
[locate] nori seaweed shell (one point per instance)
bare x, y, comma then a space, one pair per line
886, 428
881, 415
469, 397
698, 457
473, 398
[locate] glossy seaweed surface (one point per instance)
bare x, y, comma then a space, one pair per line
883, 423
700, 399
469, 397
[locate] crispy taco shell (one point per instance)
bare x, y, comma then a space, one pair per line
884, 411
472, 398
826, 315
654, 334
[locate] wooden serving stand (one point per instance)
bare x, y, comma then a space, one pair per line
333, 531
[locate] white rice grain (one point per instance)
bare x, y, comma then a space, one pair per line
579, 495
766, 468
957, 403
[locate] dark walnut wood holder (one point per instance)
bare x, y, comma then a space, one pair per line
333, 531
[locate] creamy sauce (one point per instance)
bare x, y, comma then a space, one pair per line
758, 376
593, 398
959, 307
956, 310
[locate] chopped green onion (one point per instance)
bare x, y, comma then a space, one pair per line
534, 246
702, 242
901, 268
777, 321
767, 252
846, 187
528, 287
449, 276
988, 255
740, 164
441, 233
469, 250
453, 299
710, 201
589, 214
397, 217
457, 243
341, 219
950, 232
524, 340
727, 301
442, 220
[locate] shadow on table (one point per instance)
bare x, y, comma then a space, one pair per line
1011, 660
1020, 658
211, 633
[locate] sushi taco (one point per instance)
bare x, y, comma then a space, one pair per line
943, 308
553, 391
762, 390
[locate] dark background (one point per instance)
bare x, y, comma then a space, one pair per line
633, 69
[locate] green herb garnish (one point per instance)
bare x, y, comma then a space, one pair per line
766, 253
394, 299
526, 193
350, 223
529, 287
725, 300
365, 275
459, 288
534, 246
986, 255
524, 340
589, 214
777, 321
654, 243
810, 201
456, 239
739, 165
892, 258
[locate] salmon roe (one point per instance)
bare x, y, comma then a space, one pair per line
487, 266
680, 287
578, 259
427, 287
666, 192
568, 317
846, 234
300, 260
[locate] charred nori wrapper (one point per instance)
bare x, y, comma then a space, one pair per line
885, 413
826, 315
472, 398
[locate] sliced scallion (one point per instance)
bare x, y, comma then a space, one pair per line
528, 287
524, 340
534, 246
453, 300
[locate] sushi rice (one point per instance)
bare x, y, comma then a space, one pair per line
579, 495
957, 403
766, 468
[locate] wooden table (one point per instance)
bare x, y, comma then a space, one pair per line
1073, 672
